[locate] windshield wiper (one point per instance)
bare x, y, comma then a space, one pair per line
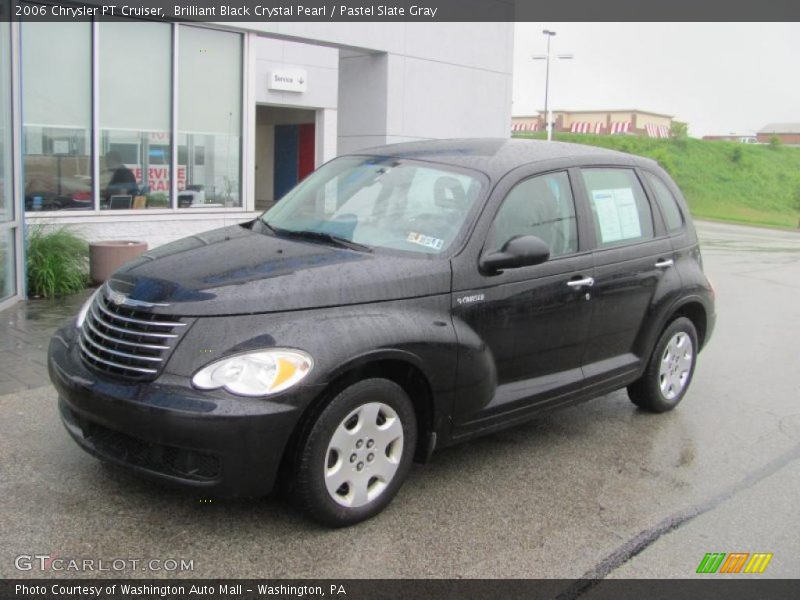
322, 236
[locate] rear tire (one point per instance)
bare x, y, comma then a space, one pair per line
669, 372
356, 454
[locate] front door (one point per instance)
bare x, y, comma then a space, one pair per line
532, 321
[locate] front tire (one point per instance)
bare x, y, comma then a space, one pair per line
668, 374
357, 453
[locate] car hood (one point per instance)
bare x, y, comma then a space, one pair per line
236, 270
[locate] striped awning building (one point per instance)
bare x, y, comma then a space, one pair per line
619, 127
657, 131
525, 126
586, 127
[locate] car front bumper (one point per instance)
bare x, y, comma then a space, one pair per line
216, 443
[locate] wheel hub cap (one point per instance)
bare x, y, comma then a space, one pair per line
676, 365
363, 454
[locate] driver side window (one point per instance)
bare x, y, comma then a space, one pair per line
542, 206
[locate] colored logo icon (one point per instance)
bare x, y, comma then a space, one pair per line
735, 562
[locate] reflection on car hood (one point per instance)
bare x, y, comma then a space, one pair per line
234, 270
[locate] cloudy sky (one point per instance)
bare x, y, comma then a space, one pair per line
719, 77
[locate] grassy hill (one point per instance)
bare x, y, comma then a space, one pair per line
758, 184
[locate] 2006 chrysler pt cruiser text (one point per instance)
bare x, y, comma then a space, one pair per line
396, 301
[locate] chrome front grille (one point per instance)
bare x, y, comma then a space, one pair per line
127, 341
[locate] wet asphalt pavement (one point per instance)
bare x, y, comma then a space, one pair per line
601, 489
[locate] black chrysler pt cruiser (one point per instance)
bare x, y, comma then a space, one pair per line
396, 301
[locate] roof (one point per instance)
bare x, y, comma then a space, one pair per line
780, 128
497, 156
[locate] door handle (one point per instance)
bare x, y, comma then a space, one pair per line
579, 283
664, 263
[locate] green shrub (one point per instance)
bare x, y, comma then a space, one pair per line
679, 130
679, 134
57, 262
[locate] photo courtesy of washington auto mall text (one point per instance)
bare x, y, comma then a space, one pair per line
137, 590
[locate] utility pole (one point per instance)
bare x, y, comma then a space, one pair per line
547, 116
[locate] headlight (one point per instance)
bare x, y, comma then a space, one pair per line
255, 373
85, 308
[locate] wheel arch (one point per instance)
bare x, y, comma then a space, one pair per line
695, 311
692, 307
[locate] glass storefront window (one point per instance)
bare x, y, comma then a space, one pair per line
209, 118
57, 104
6, 199
7, 263
8, 228
136, 79
135, 114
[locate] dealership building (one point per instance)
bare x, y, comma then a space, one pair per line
146, 130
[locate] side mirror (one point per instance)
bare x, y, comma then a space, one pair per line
519, 251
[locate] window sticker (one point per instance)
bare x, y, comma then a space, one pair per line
617, 214
425, 240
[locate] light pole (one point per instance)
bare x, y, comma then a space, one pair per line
547, 116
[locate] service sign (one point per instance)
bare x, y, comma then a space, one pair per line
288, 80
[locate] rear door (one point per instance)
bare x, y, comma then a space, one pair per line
631, 258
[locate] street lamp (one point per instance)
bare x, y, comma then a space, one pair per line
547, 116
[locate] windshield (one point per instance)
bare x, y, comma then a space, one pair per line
379, 203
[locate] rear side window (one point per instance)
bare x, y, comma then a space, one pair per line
620, 209
669, 206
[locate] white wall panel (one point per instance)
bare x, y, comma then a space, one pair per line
479, 45
441, 100
362, 94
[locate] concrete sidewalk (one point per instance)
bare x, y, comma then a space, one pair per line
25, 331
